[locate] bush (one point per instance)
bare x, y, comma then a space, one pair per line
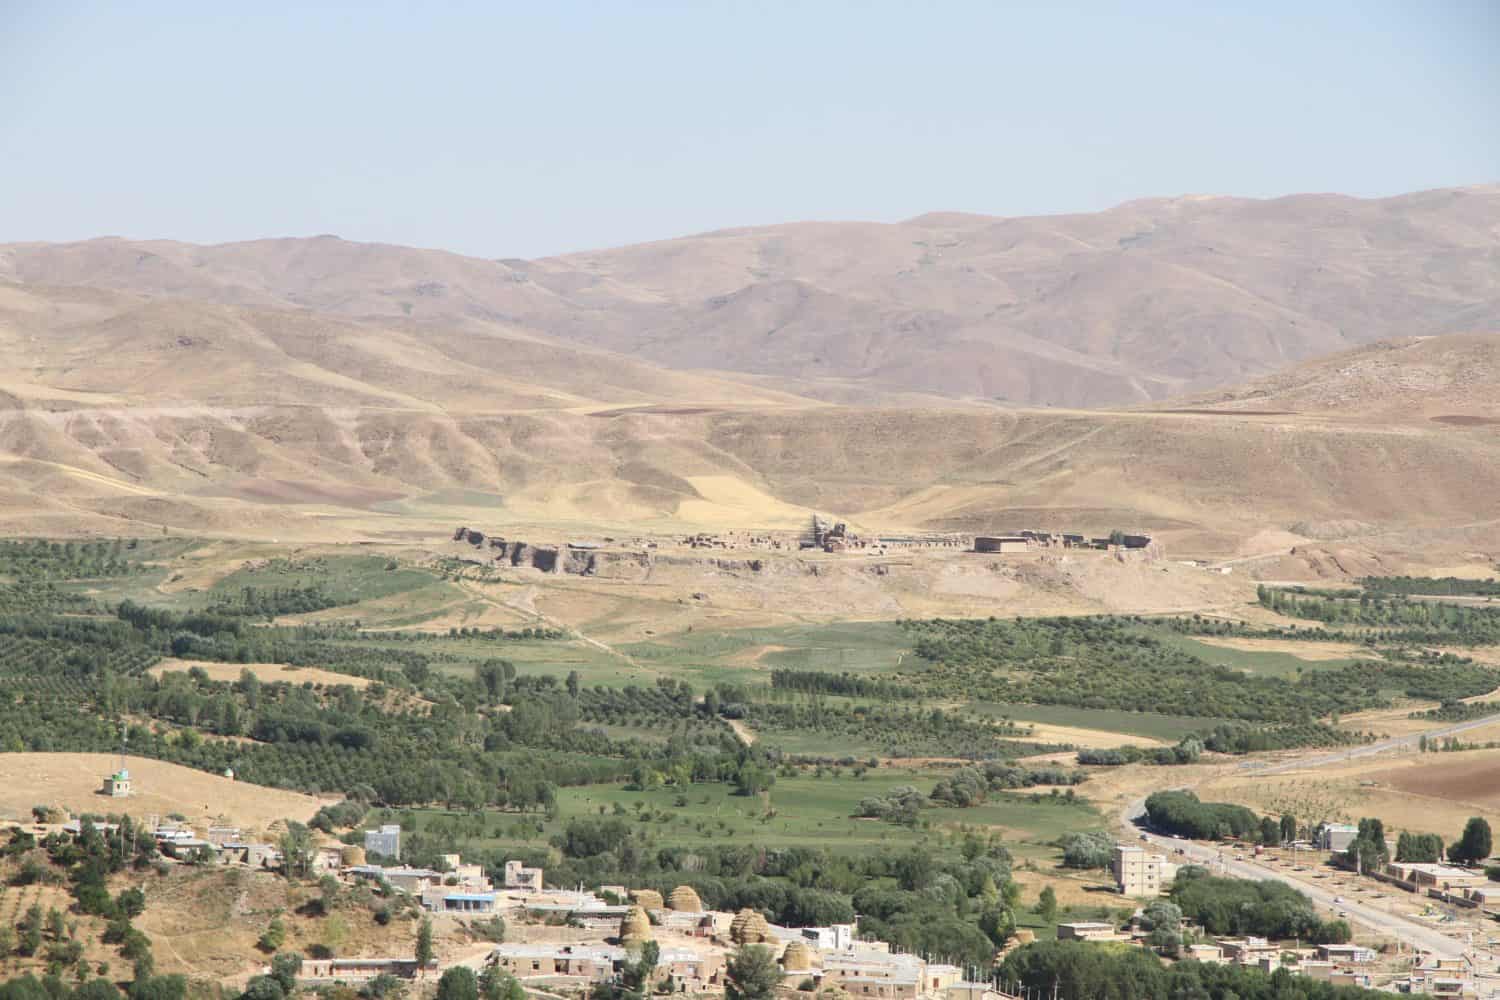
1087, 850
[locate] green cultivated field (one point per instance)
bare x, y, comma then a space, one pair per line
747, 656
1169, 728
805, 811
1262, 662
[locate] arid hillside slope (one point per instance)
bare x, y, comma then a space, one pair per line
1449, 380
1144, 301
1204, 482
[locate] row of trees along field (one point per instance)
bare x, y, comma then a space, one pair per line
1401, 618
1119, 663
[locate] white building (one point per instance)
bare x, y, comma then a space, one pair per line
386, 841
1336, 836
518, 876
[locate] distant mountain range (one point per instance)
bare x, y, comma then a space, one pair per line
1145, 301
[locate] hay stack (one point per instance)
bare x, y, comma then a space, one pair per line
685, 899
1025, 935
635, 928
749, 927
352, 855
798, 957
647, 899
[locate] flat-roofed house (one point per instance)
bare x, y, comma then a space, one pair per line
1087, 930
519, 876
1002, 543
1346, 954
595, 963
357, 970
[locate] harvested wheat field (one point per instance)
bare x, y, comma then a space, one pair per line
1302, 650
72, 780
1425, 793
270, 672
1471, 778
1043, 732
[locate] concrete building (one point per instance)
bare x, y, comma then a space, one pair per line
1346, 954
447, 899
1248, 950
1002, 543
117, 785
968, 990
595, 963
1085, 930
386, 841
1336, 836
317, 971
838, 937
1205, 953
252, 855
518, 876
1433, 876
1485, 895
879, 975
408, 880
1137, 871
881, 988
690, 971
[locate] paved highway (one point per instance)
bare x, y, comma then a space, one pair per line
1370, 749
1414, 934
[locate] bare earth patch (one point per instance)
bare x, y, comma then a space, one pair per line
1043, 732
265, 671
72, 780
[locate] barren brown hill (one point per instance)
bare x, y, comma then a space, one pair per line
1204, 482
1453, 380
1145, 301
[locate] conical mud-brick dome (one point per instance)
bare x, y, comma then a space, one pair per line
635, 928
798, 957
647, 899
748, 927
684, 898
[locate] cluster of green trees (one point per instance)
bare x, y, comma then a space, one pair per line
1239, 907
1087, 850
1443, 586
38, 560
1078, 970
897, 730
1459, 711
1402, 619
956, 908
418, 735
970, 786
1181, 813
852, 685
1187, 751
1422, 848
1369, 851
1118, 663
1226, 738
901, 804
84, 863
268, 602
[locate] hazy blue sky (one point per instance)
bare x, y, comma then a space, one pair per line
509, 129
